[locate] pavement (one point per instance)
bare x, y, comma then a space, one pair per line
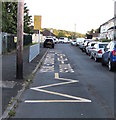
69, 85
11, 85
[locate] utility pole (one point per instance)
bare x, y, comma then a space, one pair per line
75, 30
19, 61
114, 19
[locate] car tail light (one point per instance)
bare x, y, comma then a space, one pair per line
100, 51
114, 53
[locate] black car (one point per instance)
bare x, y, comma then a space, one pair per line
49, 43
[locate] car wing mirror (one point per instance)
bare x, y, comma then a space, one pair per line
105, 49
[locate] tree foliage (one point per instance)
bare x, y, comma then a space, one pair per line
64, 33
93, 31
9, 18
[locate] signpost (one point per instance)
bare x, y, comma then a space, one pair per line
35, 49
37, 24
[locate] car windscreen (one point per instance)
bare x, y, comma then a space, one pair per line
49, 40
62, 38
92, 44
115, 45
102, 45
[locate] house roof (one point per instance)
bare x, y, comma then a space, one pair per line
48, 33
108, 21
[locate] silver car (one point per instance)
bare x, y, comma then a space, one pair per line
90, 46
98, 50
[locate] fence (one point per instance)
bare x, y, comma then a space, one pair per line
34, 51
9, 41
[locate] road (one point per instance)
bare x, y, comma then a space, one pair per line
69, 85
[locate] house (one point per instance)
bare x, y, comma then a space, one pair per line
107, 30
95, 36
43, 34
35, 36
48, 33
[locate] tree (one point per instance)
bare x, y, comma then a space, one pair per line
27, 20
9, 18
61, 34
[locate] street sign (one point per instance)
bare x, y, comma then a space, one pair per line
37, 22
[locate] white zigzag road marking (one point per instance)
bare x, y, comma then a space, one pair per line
56, 101
40, 89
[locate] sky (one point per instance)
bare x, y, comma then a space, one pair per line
72, 15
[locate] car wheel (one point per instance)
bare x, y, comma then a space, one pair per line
90, 56
102, 62
44, 46
110, 65
86, 52
96, 59
89, 53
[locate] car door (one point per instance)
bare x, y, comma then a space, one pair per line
106, 54
94, 50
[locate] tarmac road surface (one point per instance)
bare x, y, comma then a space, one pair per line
69, 85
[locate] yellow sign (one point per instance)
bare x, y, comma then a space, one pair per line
15, 39
37, 22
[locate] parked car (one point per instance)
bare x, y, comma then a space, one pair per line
109, 56
69, 41
81, 45
55, 40
79, 40
98, 50
86, 45
63, 40
74, 43
89, 47
49, 42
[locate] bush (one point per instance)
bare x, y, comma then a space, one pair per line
105, 40
27, 39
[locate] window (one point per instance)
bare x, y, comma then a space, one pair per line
92, 44
95, 45
102, 45
49, 40
115, 45
62, 38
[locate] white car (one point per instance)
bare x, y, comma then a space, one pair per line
98, 50
63, 40
80, 40
90, 46
74, 43
55, 40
